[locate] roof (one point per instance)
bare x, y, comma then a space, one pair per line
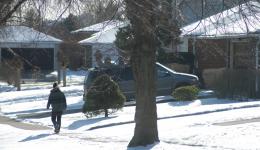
107, 36
99, 26
22, 34
238, 21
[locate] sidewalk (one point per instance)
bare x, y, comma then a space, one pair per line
21, 125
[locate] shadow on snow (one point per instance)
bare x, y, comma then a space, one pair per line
78, 124
31, 138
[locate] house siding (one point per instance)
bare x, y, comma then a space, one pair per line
224, 53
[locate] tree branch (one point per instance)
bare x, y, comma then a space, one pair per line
10, 13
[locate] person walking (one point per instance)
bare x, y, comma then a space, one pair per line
57, 101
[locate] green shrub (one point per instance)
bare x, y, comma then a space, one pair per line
186, 93
103, 94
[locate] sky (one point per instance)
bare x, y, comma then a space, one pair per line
53, 9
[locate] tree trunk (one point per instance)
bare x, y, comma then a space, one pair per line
18, 79
106, 113
58, 74
64, 74
143, 65
146, 113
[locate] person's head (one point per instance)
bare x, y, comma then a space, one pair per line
55, 85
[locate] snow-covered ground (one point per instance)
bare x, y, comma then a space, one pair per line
200, 124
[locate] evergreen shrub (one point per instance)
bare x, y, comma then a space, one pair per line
186, 93
103, 94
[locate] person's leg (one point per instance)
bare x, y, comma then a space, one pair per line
53, 119
59, 114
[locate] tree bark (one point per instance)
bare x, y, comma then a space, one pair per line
64, 74
146, 131
143, 65
18, 79
59, 74
106, 113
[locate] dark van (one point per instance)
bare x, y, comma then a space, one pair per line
167, 79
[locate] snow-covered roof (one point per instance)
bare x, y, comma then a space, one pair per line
103, 26
22, 34
238, 21
105, 36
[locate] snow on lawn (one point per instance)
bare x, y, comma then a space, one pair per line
181, 125
34, 95
193, 132
31, 101
12, 139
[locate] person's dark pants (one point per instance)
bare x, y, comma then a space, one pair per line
56, 119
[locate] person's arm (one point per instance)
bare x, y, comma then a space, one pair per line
65, 101
49, 102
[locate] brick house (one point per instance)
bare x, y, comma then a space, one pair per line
226, 39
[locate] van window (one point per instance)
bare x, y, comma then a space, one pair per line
161, 72
114, 73
126, 74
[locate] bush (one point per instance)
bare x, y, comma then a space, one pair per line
186, 93
236, 84
103, 94
8, 72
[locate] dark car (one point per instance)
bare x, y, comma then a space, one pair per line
167, 79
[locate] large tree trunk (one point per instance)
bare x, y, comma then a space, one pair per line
146, 114
143, 64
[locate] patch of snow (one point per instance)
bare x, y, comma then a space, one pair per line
103, 26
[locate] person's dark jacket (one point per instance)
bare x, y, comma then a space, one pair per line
57, 100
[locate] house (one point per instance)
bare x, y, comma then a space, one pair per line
192, 11
35, 48
102, 41
228, 39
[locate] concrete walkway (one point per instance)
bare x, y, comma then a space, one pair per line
21, 125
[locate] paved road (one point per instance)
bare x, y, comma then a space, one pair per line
21, 125
238, 122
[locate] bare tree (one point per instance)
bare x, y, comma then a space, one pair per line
103, 10
32, 19
12, 71
8, 8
